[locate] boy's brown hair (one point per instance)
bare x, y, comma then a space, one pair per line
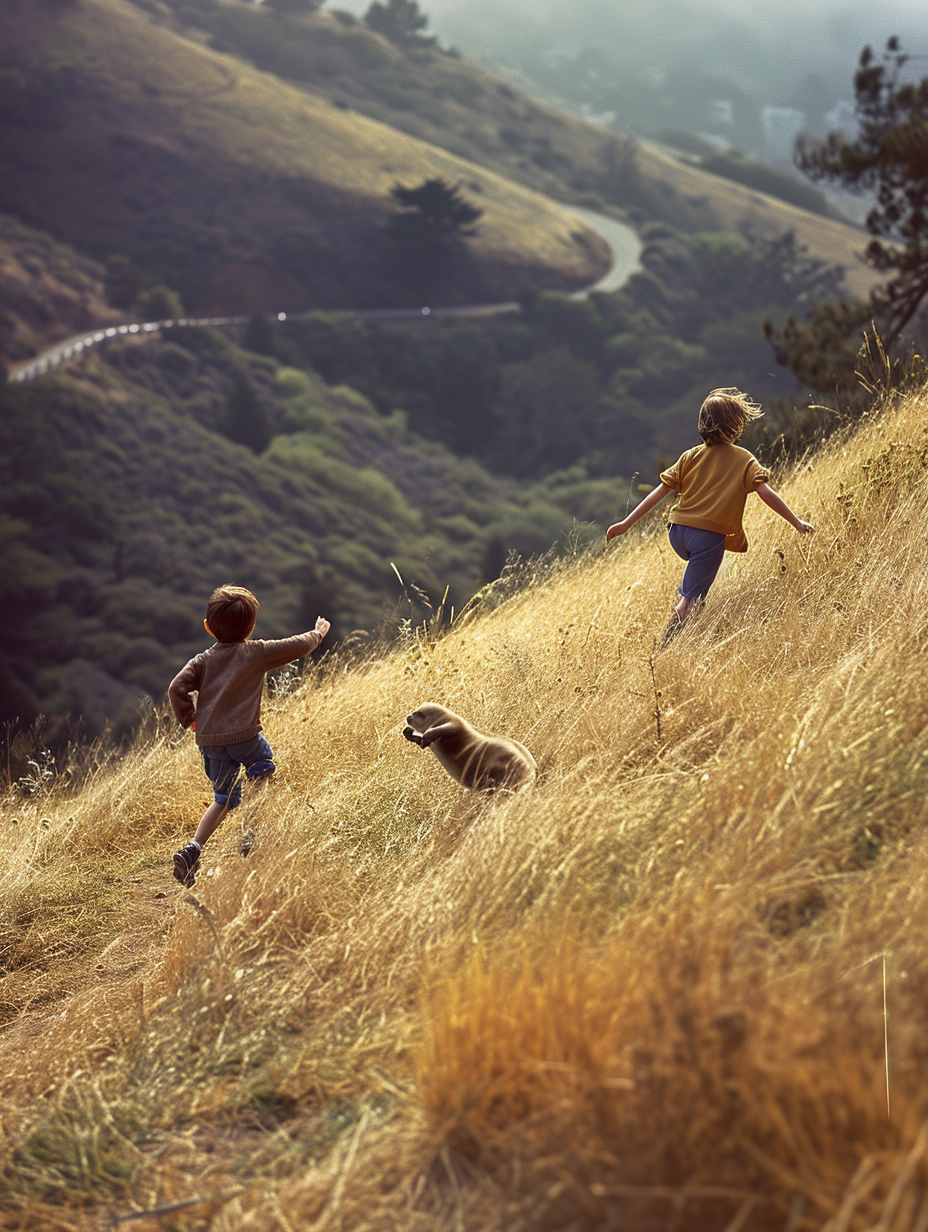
231, 613
724, 414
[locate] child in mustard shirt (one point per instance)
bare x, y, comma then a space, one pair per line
713, 481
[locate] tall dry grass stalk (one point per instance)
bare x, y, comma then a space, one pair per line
648, 994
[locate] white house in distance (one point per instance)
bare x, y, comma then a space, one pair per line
781, 125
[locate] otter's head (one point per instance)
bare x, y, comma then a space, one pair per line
427, 716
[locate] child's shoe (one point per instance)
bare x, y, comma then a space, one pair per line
185, 864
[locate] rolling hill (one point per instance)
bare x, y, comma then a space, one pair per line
121, 136
453, 103
258, 176
681, 983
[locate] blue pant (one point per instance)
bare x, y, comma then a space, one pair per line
703, 550
222, 764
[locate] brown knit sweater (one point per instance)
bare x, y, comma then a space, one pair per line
228, 679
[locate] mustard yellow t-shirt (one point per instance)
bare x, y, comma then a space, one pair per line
714, 482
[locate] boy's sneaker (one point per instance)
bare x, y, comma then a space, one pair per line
185, 863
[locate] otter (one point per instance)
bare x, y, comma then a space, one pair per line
475, 760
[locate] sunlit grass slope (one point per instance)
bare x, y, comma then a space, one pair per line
648, 995
162, 146
461, 107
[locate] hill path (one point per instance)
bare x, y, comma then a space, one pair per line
622, 240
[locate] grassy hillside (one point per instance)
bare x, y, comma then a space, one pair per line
127, 496
604, 386
648, 994
739, 208
147, 472
121, 136
47, 292
469, 111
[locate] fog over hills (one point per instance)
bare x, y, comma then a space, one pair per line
772, 45
711, 68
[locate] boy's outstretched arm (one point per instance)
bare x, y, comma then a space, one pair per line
779, 505
652, 499
277, 653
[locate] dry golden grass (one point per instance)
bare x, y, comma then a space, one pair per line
647, 995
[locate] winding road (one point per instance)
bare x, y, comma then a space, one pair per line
622, 240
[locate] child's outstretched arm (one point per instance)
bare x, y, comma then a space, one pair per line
779, 505
277, 653
652, 499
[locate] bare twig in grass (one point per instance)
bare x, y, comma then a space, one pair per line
677, 1193
796, 1207
882, 956
657, 697
921, 1219
864, 1180
743, 1214
631, 484
886, 1039
207, 916
155, 1212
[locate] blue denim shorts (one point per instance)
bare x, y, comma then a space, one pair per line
222, 763
704, 551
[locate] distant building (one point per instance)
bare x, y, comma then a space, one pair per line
721, 112
781, 125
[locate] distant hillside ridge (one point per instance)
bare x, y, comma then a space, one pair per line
747, 210
453, 103
236, 188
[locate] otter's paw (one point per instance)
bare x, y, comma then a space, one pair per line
412, 736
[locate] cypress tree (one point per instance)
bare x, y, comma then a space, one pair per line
246, 418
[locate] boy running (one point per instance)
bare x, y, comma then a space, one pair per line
713, 481
228, 679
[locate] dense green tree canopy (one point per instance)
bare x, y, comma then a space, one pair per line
436, 207
401, 21
427, 234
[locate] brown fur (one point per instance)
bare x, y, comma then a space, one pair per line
474, 759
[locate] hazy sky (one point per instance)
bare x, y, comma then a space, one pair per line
742, 40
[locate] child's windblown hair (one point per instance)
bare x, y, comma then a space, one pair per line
231, 613
724, 414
